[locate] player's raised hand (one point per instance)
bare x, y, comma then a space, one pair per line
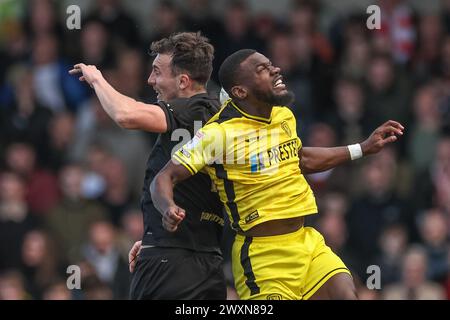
172, 218
87, 73
132, 255
387, 133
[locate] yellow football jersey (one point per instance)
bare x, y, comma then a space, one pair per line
253, 163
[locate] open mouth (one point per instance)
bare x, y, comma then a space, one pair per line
278, 83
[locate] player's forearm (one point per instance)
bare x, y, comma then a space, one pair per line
314, 159
115, 104
161, 190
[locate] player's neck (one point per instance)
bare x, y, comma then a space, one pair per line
256, 108
190, 92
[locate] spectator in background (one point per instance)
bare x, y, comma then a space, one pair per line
349, 116
57, 291
376, 208
123, 28
443, 68
332, 225
320, 135
397, 32
387, 93
426, 56
303, 20
12, 286
59, 148
70, 219
15, 220
432, 183
425, 130
198, 16
103, 254
53, 87
41, 187
355, 58
237, 34
393, 242
41, 264
434, 230
414, 284
95, 45
94, 126
130, 73
41, 18
117, 196
132, 225
25, 120
167, 20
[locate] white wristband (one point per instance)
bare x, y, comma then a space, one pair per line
355, 151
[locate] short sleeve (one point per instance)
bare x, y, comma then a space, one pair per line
204, 149
168, 112
190, 114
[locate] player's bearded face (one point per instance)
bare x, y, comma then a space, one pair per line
274, 98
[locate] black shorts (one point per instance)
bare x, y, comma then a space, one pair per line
177, 274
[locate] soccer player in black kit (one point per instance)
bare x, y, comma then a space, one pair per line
186, 264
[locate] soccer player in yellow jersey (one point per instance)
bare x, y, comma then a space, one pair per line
253, 155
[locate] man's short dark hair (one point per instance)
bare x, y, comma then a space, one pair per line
191, 53
229, 70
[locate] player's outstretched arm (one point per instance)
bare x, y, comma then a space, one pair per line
161, 190
314, 159
125, 111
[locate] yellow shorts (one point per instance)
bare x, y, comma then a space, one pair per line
291, 266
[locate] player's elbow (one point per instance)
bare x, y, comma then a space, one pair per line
125, 120
308, 165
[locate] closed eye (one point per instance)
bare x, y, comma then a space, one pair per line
262, 67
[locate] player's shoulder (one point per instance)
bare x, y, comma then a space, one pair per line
226, 114
283, 111
200, 102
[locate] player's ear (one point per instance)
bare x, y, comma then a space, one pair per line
183, 81
239, 92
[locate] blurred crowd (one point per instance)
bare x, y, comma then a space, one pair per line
70, 178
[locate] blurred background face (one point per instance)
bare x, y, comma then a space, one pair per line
58, 291
380, 172
102, 236
133, 225
11, 286
70, 180
11, 188
45, 50
434, 228
280, 53
42, 16
34, 249
62, 129
236, 21
349, 99
94, 39
414, 268
380, 75
394, 241
21, 158
426, 107
321, 135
